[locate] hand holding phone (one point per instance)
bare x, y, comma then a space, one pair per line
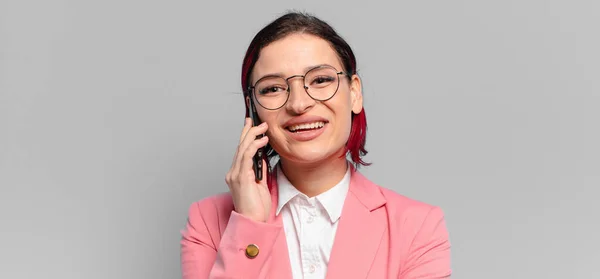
249, 191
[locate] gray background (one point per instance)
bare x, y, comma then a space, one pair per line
116, 115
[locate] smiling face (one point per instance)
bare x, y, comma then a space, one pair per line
305, 130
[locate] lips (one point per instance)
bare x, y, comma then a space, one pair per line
306, 126
305, 122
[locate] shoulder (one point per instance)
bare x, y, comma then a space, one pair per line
410, 213
418, 234
416, 220
219, 202
212, 211
403, 204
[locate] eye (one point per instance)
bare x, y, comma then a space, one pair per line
271, 89
322, 80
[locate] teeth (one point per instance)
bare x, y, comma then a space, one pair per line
304, 126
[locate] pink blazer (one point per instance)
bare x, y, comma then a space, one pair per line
381, 234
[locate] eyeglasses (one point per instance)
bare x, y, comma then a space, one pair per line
320, 83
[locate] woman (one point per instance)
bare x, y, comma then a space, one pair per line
314, 215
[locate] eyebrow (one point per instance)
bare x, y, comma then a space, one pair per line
306, 69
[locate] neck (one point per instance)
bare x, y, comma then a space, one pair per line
314, 179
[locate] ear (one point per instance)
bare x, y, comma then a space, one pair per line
356, 94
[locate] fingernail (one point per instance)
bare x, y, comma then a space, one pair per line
263, 124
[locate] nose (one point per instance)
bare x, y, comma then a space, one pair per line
299, 101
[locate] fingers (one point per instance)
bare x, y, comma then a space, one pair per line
248, 145
244, 160
247, 126
252, 132
264, 172
243, 163
234, 161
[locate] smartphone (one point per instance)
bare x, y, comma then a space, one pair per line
257, 158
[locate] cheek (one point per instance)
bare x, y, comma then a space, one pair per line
346, 125
344, 120
270, 117
266, 116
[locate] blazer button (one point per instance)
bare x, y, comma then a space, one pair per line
252, 251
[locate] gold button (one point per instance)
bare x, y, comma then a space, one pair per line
251, 251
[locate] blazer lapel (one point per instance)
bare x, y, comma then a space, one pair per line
280, 259
359, 232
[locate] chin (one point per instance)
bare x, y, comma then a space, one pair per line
311, 154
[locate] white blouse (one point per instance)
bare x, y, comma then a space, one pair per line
310, 224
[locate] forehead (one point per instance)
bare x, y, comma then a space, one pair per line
293, 54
